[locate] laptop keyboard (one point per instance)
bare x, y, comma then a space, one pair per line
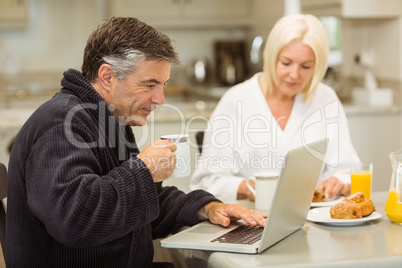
244, 234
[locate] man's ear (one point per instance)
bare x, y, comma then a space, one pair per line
105, 74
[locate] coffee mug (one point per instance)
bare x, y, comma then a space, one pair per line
265, 186
183, 165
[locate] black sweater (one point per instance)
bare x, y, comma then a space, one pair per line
77, 194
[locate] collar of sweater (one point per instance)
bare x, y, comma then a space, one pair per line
74, 82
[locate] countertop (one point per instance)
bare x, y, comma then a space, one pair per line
28, 91
352, 110
14, 118
19, 100
24, 85
179, 109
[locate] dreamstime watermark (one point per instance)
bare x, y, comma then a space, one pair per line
234, 131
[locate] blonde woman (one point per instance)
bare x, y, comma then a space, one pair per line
285, 106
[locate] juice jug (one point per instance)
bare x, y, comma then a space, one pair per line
393, 207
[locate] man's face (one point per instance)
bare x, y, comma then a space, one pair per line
131, 100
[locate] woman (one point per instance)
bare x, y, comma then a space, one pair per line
286, 106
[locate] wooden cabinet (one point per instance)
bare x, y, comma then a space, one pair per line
13, 14
353, 8
185, 13
321, 8
146, 9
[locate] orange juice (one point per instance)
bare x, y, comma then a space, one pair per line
393, 208
361, 182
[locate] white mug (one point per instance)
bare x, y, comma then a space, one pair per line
265, 186
183, 165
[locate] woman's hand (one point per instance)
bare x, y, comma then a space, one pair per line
333, 186
223, 214
243, 192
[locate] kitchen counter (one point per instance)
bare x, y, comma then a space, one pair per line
14, 118
183, 110
213, 92
352, 110
29, 84
188, 109
210, 95
175, 109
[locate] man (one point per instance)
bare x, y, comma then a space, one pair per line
80, 192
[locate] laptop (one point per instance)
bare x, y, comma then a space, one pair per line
288, 213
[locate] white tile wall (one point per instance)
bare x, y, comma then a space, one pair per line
381, 36
54, 39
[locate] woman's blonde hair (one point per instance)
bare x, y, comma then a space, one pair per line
308, 30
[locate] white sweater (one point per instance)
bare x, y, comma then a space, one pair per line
243, 138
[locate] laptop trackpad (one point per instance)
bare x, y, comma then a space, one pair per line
206, 229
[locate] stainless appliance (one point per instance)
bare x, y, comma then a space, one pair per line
230, 62
198, 70
256, 54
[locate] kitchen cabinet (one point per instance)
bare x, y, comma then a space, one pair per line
353, 8
13, 14
185, 13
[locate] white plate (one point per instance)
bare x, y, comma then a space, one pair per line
322, 215
328, 202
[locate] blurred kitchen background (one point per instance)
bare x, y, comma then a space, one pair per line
220, 44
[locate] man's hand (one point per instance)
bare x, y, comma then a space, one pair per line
223, 214
333, 186
159, 159
243, 192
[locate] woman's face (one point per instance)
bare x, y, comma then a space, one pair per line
294, 68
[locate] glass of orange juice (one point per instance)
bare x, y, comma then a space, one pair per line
361, 174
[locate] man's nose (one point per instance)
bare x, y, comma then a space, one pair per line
158, 97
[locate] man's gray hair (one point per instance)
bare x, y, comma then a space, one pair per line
127, 65
124, 43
